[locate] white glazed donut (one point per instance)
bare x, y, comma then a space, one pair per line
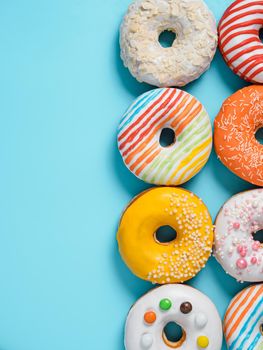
243, 324
190, 54
239, 254
184, 305
239, 40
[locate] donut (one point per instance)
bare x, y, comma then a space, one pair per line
191, 52
192, 310
177, 260
239, 254
140, 130
243, 323
239, 40
235, 127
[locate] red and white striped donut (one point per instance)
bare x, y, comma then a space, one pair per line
239, 40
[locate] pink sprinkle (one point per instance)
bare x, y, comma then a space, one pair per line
243, 253
253, 260
239, 248
236, 225
241, 263
256, 245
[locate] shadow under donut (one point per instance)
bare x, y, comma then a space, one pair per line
226, 179
232, 81
132, 283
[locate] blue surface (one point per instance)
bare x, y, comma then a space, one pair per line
62, 182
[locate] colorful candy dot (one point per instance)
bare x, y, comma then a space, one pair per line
150, 317
200, 320
241, 263
165, 304
253, 260
236, 225
202, 341
186, 307
146, 340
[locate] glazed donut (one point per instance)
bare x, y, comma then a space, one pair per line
234, 136
139, 137
239, 254
178, 260
243, 324
239, 40
181, 304
190, 54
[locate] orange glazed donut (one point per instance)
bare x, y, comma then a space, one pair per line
240, 117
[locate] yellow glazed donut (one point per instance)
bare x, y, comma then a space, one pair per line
178, 260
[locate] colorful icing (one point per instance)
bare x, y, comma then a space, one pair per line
234, 135
243, 320
139, 137
195, 336
239, 40
235, 248
178, 260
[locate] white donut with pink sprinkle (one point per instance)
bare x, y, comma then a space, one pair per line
236, 248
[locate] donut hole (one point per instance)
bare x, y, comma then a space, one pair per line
167, 137
259, 135
165, 234
261, 34
173, 335
258, 236
261, 328
167, 38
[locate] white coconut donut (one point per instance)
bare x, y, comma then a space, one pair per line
190, 54
184, 305
243, 323
239, 254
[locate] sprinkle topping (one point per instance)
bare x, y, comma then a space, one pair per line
235, 247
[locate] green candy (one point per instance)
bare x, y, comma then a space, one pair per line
165, 304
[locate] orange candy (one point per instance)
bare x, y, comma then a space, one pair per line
239, 119
150, 317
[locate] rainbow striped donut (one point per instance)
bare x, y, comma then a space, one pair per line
243, 324
139, 137
239, 40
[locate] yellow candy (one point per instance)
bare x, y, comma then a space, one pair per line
202, 341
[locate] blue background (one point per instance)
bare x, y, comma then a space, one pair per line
62, 182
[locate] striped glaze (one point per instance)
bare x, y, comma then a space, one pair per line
139, 132
243, 320
239, 40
